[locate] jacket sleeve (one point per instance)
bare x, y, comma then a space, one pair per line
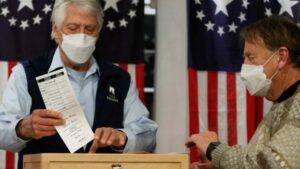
281, 151
140, 130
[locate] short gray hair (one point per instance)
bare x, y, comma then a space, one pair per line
60, 6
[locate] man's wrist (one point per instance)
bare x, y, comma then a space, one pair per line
212, 146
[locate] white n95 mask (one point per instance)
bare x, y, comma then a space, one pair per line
78, 47
255, 79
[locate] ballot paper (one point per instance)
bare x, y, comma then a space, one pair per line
58, 95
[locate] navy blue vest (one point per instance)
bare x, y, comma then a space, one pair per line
108, 111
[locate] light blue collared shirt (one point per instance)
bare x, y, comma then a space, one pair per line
16, 104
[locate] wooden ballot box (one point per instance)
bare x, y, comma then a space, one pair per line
105, 161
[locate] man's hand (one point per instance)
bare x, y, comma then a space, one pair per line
106, 136
200, 165
39, 124
202, 140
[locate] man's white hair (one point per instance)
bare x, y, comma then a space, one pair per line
91, 6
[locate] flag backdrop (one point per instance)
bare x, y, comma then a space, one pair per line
218, 100
25, 33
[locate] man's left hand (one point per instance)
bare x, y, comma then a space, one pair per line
202, 140
106, 136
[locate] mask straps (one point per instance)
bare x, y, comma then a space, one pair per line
270, 57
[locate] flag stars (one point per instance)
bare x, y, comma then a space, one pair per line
2, 1
245, 4
47, 8
132, 13
135, 2
197, 2
37, 20
266, 1
24, 24
111, 25
200, 15
123, 23
220, 30
12, 21
242, 17
268, 12
221, 6
111, 4
4, 11
286, 6
25, 3
209, 26
232, 27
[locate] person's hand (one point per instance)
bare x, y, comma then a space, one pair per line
202, 140
200, 165
106, 136
39, 124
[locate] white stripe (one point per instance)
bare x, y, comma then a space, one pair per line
16, 160
132, 72
241, 111
3, 77
202, 99
222, 107
266, 106
2, 159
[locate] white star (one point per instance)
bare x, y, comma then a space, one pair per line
2, 1
200, 15
266, 1
24, 24
123, 23
47, 8
209, 26
24, 3
135, 2
12, 21
197, 2
268, 12
132, 13
221, 6
111, 3
242, 17
4, 11
232, 27
37, 20
220, 30
245, 3
111, 25
286, 6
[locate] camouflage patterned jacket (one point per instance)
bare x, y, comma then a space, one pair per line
275, 144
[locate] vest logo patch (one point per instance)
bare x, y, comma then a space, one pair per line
112, 95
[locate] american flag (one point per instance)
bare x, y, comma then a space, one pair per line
218, 100
25, 32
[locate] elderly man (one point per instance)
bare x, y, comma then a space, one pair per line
271, 69
119, 126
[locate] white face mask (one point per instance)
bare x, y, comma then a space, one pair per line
78, 47
255, 79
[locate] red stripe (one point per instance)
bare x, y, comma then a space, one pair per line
231, 106
139, 75
10, 66
212, 100
259, 110
250, 116
10, 160
124, 66
193, 109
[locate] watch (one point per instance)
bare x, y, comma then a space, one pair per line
210, 148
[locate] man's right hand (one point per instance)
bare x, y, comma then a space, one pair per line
39, 124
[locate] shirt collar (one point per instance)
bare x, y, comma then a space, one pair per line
57, 63
288, 92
